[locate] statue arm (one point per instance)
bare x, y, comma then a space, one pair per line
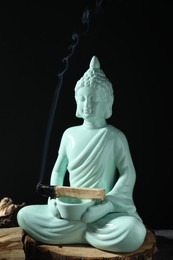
121, 194
125, 166
57, 178
58, 174
60, 166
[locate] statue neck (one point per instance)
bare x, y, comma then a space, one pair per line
94, 125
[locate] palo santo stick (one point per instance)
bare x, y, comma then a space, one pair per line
81, 193
74, 192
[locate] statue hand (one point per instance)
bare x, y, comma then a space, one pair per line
52, 206
97, 211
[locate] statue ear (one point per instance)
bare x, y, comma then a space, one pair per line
108, 112
77, 111
78, 114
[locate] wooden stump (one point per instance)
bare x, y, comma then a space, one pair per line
11, 246
35, 250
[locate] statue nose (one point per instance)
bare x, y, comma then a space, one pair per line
88, 103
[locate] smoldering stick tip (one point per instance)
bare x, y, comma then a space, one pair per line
45, 190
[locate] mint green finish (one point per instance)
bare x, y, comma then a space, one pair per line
73, 208
93, 153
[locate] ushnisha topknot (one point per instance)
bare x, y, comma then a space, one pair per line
94, 63
94, 76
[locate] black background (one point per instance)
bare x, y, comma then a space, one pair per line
133, 42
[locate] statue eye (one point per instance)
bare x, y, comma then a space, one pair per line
80, 98
94, 99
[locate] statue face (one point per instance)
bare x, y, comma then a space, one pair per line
91, 103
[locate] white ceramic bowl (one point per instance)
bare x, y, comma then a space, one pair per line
73, 208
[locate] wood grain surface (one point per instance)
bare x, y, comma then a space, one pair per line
11, 246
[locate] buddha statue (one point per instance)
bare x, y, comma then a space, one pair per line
96, 155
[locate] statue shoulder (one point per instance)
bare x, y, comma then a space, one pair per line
71, 130
117, 133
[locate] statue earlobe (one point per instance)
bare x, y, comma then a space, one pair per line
77, 112
108, 113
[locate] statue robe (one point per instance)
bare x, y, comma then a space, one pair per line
103, 160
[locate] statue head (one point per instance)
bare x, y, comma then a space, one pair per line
94, 77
